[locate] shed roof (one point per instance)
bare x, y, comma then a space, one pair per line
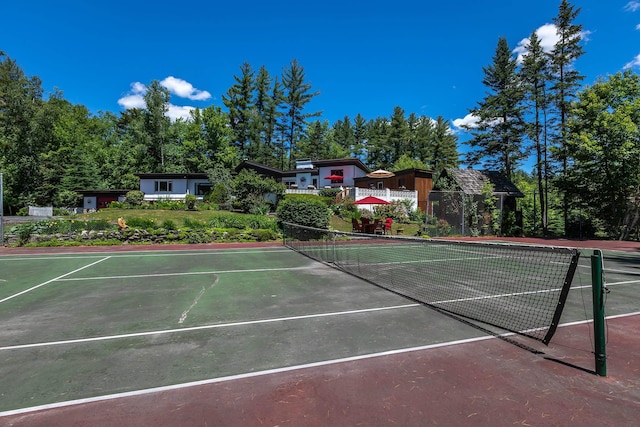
471, 181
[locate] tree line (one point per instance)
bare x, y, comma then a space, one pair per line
50, 148
584, 140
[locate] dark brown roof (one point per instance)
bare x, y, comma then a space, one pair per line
426, 173
471, 181
259, 168
103, 192
171, 175
269, 171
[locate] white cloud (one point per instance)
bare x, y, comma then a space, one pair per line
634, 63
632, 6
135, 97
179, 112
548, 37
184, 89
638, 27
469, 120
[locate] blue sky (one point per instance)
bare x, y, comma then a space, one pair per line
362, 56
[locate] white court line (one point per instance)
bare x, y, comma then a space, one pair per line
278, 319
188, 273
199, 328
52, 280
240, 376
140, 255
266, 372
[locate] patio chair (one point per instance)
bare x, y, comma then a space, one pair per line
387, 225
378, 227
355, 225
366, 225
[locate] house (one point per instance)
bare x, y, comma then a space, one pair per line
173, 186
312, 174
99, 199
448, 203
420, 180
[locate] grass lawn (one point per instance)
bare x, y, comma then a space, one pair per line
179, 216
159, 216
340, 224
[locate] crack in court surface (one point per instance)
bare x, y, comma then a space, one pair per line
195, 301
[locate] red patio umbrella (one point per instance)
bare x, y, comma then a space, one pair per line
334, 177
370, 200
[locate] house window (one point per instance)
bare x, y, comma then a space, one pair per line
163, 186
202, 189
380, 185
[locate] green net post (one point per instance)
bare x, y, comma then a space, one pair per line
284, 233
598, 313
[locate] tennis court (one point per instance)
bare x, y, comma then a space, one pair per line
268, 336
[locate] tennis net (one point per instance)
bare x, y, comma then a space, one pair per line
516, 288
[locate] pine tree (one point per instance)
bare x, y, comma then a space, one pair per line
422, 138
398, 136
566, 81
272, 126
379, 154
296, 96
534, 75
498, 137
156, 124
359, 137
239, 101
259, 148
343, 134
444, 146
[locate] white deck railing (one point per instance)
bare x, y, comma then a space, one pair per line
356, 193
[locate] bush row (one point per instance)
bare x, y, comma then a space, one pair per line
219, 228
137, 236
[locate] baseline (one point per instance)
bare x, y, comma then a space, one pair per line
52, 280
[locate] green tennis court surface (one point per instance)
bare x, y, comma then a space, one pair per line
78, 326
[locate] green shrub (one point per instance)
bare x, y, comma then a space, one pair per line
233, 220
311, 212
198, 236
329, 192
67, 199
190, 200
168, 205
220, 194
265, 235
194, 224
60, 212
23, 231
134, 198
141, 223
397, 210
206, 206
250, 189
169, 225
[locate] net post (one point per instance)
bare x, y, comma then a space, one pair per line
284, 233
597, 287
